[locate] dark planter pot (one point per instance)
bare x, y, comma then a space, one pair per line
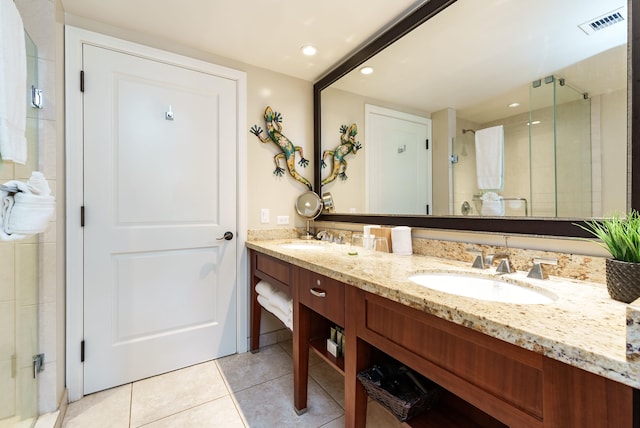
623, 280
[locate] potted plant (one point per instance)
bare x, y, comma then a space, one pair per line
621, 238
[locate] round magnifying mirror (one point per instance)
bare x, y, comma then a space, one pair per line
309, 206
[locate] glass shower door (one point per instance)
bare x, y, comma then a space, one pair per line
560, 147
573, 152
19, 290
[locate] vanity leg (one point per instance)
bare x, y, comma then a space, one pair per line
255, 308
301, 331
357, 358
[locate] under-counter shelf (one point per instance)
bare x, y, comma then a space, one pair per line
319, 346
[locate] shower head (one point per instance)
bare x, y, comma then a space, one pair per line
464, 131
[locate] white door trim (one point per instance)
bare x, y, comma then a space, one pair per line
75, 38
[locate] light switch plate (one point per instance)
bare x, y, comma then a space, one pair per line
264, 215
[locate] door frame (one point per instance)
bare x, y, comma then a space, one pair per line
75, 38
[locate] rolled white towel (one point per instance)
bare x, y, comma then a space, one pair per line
287, 320
6, 205
26, 207
30, 214
38, 184
492, 204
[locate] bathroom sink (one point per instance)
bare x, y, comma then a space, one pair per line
303, 246
489, 289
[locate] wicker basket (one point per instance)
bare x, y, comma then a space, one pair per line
402, 409
623, 280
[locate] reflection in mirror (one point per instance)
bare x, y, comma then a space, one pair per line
553, 80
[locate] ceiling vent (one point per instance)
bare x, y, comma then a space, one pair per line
603, 21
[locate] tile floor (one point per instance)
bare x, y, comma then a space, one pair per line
241, 390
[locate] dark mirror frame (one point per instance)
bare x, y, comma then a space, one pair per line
528, 226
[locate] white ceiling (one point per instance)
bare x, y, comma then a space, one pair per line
267, 34
478, 56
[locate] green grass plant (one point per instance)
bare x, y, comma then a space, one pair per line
618, 235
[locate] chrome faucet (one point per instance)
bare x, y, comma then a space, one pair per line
323, 235
537, 270
479, 262
504, 266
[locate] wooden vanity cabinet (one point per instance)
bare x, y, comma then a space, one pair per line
488, 383
517, 387
319, 304
277, 273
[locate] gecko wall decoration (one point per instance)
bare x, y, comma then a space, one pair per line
347, 145
273, 121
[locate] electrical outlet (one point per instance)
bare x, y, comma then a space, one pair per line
264, 215
283, 219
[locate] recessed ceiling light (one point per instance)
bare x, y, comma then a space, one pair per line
366, 70
514, 105
309, 50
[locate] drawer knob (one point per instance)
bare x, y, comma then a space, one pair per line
318, 292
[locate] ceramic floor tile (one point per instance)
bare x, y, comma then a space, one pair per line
330, 380
245, 370
314, 359
106, 409
218, 413
377, 417
170, 393
270, 404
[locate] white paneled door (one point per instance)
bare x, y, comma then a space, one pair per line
159, 194
398, 144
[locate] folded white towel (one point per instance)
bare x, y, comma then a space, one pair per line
13, 84
26, 207
276, 297
287, 320
401, 240
490, 157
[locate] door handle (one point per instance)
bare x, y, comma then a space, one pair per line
228, 236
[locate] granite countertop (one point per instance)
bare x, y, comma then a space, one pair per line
583, 327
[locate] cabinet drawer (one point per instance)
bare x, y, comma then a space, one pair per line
323, 295
270, 269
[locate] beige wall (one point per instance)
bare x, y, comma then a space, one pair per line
292, 97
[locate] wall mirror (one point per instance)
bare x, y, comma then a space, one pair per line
568, 147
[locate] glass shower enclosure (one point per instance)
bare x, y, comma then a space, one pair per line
19, 292
547, 156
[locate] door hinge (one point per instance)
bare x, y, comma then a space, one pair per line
427, 207
81, 80
82, 216
427, 141
82, 351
